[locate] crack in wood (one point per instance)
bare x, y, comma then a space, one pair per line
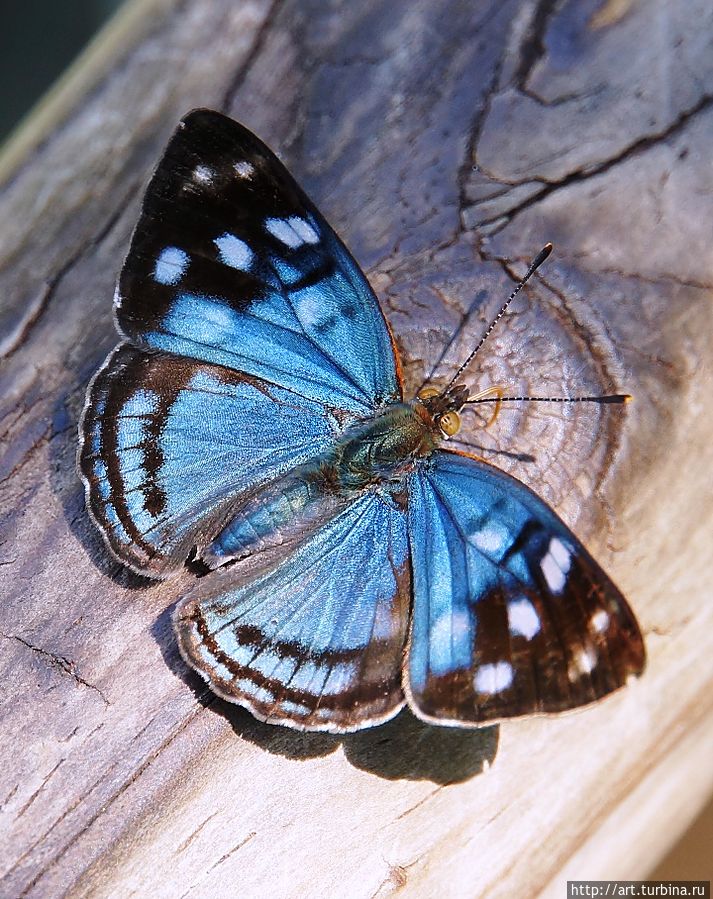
9, 797
235, 848
37, 792
640, 145
227, 855
34, 309
240, 75
395, 880
187, 842
533, 46
657, 280
476, 129
425, 799
58, 662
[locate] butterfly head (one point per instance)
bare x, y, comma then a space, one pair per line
444, 407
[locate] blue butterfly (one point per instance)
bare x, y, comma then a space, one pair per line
252, 422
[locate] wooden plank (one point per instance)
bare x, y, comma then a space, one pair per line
446, 142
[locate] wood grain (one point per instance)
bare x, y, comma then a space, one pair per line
446, 142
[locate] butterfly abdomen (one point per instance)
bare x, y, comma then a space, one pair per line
287, 511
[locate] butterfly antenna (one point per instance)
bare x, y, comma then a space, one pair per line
537, 262
610, 398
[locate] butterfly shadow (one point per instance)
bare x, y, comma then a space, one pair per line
404, 748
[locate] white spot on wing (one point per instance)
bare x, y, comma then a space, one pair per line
284, 232
294, 708
292, 232
584, 662
600, 621
171, 265
449, 637
216, 323
560, 554
449, 626
303, 229
202, 174
341, 676
244, 169
551, 565
211, 663
309, 305
234, 252
386, 623
490, 540
493, 678
260, 694
523, 618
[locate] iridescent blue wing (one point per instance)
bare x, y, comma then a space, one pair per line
168, 444
232, 264
315, 642
511, 614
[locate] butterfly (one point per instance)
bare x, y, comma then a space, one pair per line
252, 423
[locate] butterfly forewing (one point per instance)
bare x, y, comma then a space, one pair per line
232, 264
511, 615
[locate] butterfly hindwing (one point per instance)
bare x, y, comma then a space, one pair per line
232, 264
169, 444
511, 615
315, 642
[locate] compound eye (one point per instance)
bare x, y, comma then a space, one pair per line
449, 423
428, 393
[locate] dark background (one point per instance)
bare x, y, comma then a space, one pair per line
38, 40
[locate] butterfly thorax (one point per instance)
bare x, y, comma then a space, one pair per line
385, 447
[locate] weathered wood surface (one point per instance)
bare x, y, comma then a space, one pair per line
446, 141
